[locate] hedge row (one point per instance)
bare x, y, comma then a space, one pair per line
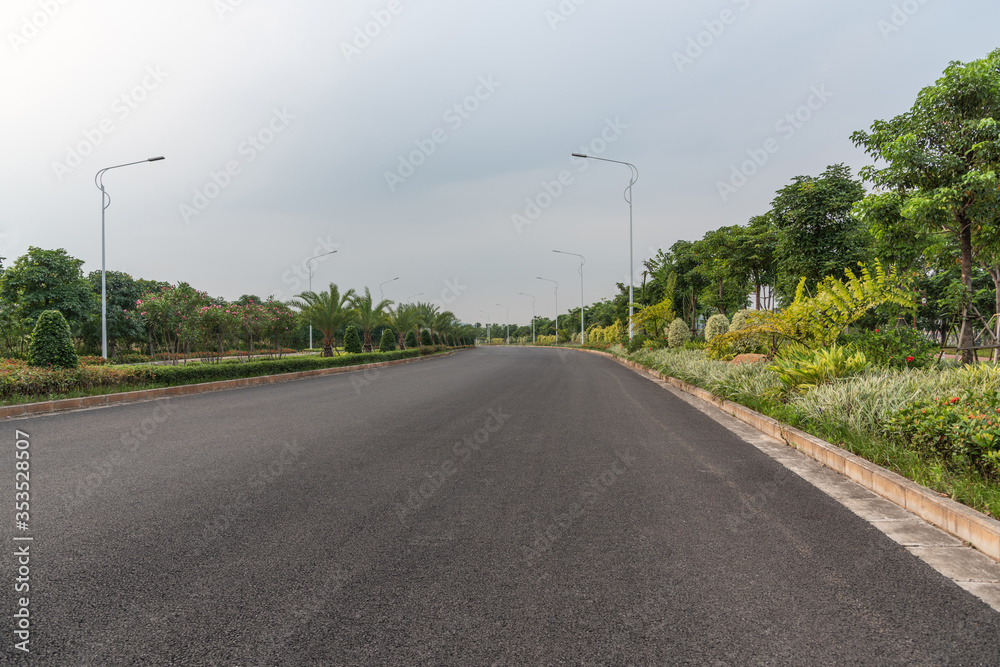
17, 379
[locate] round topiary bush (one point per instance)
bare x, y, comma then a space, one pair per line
717, 324
739, 320
678, 333
51, 343
411, 339
352, 341
388, 342
425, 337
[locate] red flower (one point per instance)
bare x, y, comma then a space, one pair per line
910, 358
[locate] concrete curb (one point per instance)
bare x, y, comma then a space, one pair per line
965, 523
46, 407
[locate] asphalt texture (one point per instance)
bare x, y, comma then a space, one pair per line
501, 506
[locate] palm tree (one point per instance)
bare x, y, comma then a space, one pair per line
326, 311
443, 324
428, 312
368, 316
405, 318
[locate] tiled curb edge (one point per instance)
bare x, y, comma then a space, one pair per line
965, 523
7, 412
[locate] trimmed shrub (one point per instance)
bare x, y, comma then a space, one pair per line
739, 320
388, 342
717, 324
678, 333
352, 341
411, 339
51, 342
425, 338
893, 347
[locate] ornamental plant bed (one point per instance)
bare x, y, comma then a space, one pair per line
21, 383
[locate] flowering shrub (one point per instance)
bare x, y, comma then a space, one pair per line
963, 430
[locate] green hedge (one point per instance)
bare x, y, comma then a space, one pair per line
194, 373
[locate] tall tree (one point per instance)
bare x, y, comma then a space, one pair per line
753, 257
941, 158
405, 317
49, 280
327, 311
817, 236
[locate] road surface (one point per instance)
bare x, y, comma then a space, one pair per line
501, 506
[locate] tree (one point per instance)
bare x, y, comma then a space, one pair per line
941, 158
442, 325
406, 319
753, 251
388, 342
50, 342
352, 342
425, 338
368, 315
327, 311
49, 280
717, 324
817, 236
678, 333
411, 339
123, 291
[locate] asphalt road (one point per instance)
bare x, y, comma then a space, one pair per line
502, 506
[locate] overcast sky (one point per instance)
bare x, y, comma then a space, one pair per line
427, 139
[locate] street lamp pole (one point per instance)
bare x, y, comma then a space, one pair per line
582, 262
105, 203
381, 292
549, 280
311, 289
413, 295
532, 315
508, 321
488, 318
628, 197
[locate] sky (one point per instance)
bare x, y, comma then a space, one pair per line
431, 140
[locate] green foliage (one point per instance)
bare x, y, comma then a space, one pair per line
893, 347
638, 342
51, 344
962, 430
717, 324
352, 341
678, 333
739, 320
817, 321
425, 337
817, 236
411, 339
800, 368
368, 315
49, 280
327, 311
655, 319
388, 342
694, 344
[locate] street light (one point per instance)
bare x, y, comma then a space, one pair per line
508, 321
413, 295
311, 288
549, 280
488, 318
532, 315
582, 262
628, 197
381, 292
105, 203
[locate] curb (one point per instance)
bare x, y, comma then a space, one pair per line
965, 523
47, 407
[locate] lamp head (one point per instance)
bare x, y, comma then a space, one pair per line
580, 155
154, 159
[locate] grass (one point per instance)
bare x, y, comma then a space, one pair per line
849, 412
